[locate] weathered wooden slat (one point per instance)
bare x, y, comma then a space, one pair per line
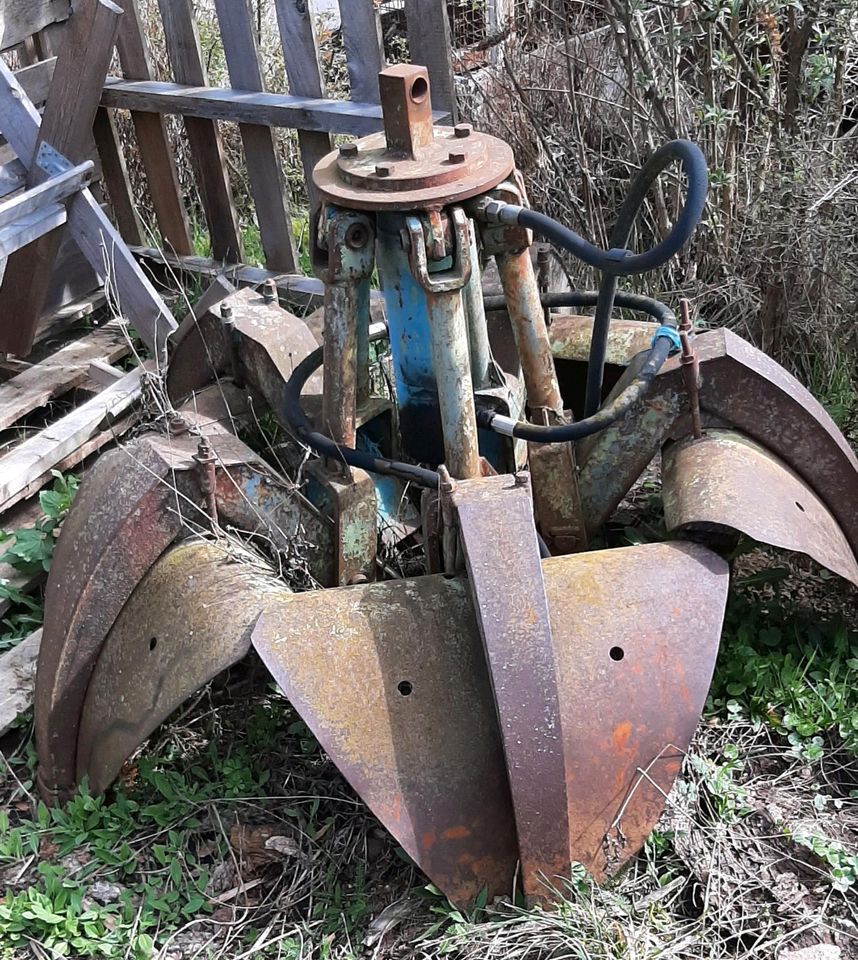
115, 174
304, 73
429, 45
102, 373
183, 47
67, 126
59, 373
51, 191
20, 19
38, 455
13, 177
242, 106
18, 679
30, 228
90, 228
36, 79
260, 148
155, 151
364, 47
219, 289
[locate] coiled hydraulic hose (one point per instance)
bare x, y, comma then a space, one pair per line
618, 262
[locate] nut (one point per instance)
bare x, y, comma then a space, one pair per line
349, 150
383, 170
357, 236
462, 130
455, 157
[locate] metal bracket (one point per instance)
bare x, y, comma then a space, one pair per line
51, 161
460, 273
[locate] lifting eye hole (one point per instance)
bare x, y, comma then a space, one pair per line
405, 687
800, 507
153, 643
616, 654
419, 90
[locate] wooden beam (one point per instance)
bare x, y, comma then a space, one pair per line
264, 170
67, 126
364, 49
90, 228
60, 372
20, 19
430, 46
183, 47
57, 188
304, 73
244, 106
156, 153
115, 175
36, 79
40, 454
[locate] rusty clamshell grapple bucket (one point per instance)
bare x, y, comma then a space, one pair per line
527, 702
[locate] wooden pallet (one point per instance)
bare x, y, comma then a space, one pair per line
81, 373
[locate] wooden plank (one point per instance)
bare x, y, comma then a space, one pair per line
67, 126
13, 177
30, 228
91, 229
38, 455
364, 49
18, 680
183, 47
59, 373
156, 153
243, 106
36, 79
304, 73
218, 290
20, 19
115, 175
260, 148
102, 373
51, 191
429, 44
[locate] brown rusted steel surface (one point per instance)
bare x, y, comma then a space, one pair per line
556, 498
726, 480
636, 633
570, 337
391, 679
412, 166
188, 619
495, 517
123, 519
742, 388
270, 343
134, 503
531, 335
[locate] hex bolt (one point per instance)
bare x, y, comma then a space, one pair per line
349, 150
522, 479
384, 170
455, 157
205, 461
177, 424
269, 292
226, 313
690, 366
462, 130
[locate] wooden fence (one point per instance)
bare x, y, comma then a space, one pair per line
33, 27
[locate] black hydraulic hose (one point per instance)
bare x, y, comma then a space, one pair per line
589, 298
293, 414
563, 433
618, 261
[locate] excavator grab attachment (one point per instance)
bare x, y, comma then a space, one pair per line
526, 701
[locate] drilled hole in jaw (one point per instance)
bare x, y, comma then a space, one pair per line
419, 90
405, 688
617, 653
153, 643
800, 507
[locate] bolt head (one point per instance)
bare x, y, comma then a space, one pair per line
357, 236
462, 130
269, 291
349, 150
384, 170
455, 157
